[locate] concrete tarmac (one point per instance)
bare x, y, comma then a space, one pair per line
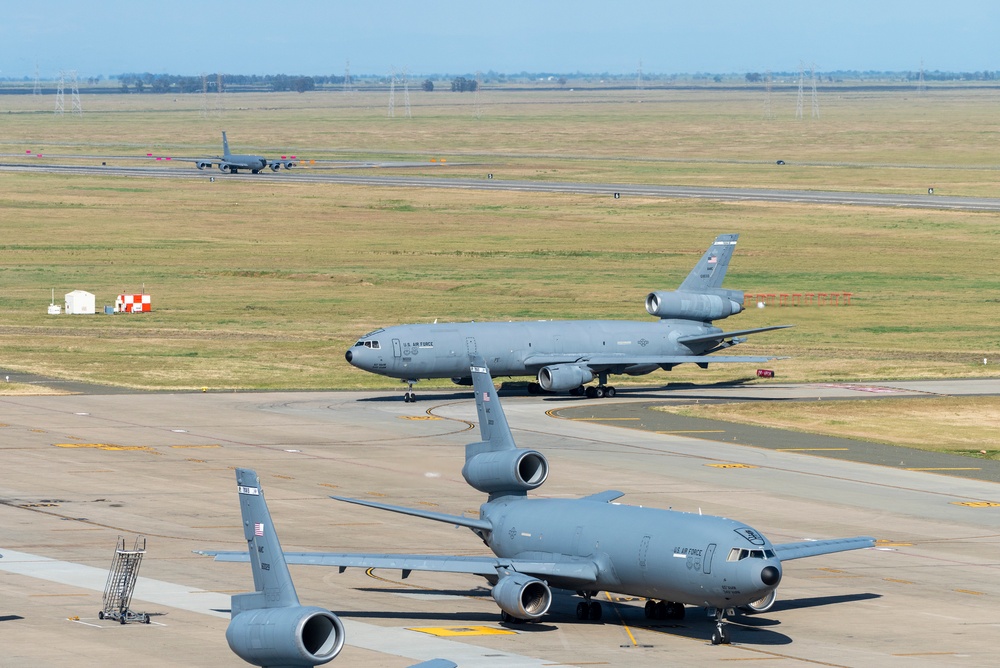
81, 470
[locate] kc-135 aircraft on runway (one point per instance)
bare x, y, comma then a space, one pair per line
584, 545
233, 163
567, 354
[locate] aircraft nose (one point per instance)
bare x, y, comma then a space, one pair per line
349, 356
770, 576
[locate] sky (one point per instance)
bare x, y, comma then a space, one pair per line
311, 37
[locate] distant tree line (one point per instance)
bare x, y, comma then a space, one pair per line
462, 85
173, 83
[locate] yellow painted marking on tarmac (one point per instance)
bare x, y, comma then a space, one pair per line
622, 620
925, 654
426, 503
456, 631
811, 449
940, 468
831, 570
105, 446
215, 445
970, 591
38, 431
884, 542
330, 485
976, 504
732, 466
897, 580
196, 461
418, 417
375, 494
282, 477
603, 419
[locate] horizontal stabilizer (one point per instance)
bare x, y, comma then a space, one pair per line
813, 548
726, 335
471, 522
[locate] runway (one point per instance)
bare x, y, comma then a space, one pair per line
314, 175
79, 470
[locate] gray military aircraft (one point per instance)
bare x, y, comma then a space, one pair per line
269, 627
589, 544
233, 163
566, 355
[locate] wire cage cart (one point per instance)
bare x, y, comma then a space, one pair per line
121, 583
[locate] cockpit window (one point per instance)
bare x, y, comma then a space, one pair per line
374, 345
737, 554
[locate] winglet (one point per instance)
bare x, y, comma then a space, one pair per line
712, 266
492, 422
272, 582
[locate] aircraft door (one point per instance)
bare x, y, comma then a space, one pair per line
396, 350
706, 564
470, 345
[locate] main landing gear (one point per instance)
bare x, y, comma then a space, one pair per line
664, 610
588, 609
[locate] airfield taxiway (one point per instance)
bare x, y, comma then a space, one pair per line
82, 469
323, 174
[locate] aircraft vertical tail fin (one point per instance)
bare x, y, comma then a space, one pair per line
492, 422
273, 587
711, 268
225, 145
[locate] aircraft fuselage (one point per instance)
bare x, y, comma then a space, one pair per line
654, 553
520, 348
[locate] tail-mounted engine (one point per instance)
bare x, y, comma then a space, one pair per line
564, 377
694, 305
295, 636
522, 596
513, 470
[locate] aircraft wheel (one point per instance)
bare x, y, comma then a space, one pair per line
255, 171
122, 620
577, 391
145, 619
716, 637
724, 632
582, 610
595, 610
600, 392
661, 611
650, 609
534, 388
678, 611
100, 615
409, 397
591, 392
610, 392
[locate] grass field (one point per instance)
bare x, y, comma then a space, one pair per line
264, 283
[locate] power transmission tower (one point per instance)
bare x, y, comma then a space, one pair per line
638, 77
392, 95
921, 84
768, 114
406, 95
798, 102
76, 107
815, 97
38, 87
60, 98
347, 77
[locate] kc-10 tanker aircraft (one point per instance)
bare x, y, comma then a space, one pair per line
584, 545
565, 355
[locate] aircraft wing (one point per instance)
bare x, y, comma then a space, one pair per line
568, 570
813, 548
601, 362
726, 335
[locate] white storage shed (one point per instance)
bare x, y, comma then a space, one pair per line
80, 302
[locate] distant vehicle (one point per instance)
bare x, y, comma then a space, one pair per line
584, 545
233, 163
269, 627
565, 355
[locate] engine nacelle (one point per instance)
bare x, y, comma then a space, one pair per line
693, 305
201, 164
464, 381
506, 470
522, 596
763, 604
298, 636
275, 166
223, 167
563, 377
